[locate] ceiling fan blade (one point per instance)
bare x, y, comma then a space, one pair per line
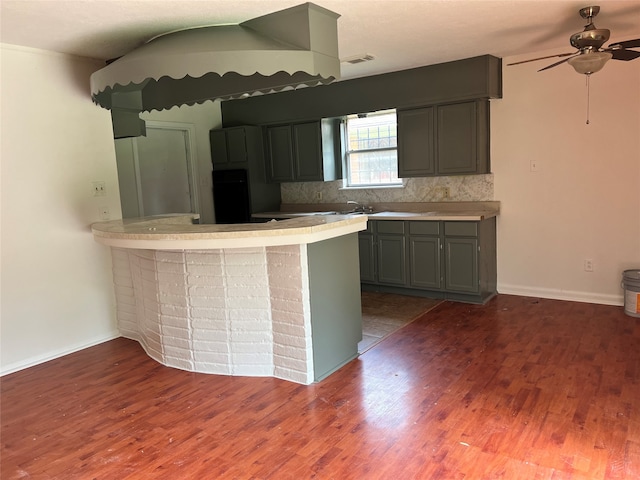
558, 63
541, 58
626, 44
625, 55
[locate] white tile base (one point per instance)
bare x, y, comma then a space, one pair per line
223, 311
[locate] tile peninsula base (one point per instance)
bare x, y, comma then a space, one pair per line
286, 311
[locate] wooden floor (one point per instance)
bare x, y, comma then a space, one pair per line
517, 389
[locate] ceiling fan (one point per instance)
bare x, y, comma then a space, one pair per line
591, 57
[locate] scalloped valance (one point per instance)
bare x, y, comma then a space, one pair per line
294, 47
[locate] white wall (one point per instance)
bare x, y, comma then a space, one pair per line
584, 202
57, 294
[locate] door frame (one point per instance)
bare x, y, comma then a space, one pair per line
189, 130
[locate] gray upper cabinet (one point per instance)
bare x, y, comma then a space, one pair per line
307, 144
451, 139
303, 152
279, 151
229, 147
458, 134
416, 142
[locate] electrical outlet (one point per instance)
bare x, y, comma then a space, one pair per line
535, 165
588, 265
318, 196
104, 213
446, 193
99, 189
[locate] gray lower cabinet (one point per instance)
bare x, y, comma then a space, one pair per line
382, 253
461, 257
451, 139
367, 255
424, 255
453, 260
391, 259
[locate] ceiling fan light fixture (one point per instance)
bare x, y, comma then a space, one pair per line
588, 63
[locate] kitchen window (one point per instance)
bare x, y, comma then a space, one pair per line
371, 157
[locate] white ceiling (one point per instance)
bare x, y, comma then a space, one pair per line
400, 34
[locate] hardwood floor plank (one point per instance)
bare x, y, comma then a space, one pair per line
518, 388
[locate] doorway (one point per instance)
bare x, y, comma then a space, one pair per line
157, 173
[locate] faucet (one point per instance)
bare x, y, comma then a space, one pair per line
359, 208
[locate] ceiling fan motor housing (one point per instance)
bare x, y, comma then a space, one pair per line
590, 39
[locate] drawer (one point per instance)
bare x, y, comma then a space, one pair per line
424, 228
370, 227
390, 226
461, 229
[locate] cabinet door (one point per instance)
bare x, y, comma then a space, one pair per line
307, 146
457, 139
236, 145
367, 258
392, 259
461, 264
219, 154
229, 148
279, 154
424, 262
416, 148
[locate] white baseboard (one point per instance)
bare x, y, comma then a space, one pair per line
30, 362
570, 295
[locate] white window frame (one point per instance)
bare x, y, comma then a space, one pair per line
348, 182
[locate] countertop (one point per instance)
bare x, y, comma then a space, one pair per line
178, 232
432, 211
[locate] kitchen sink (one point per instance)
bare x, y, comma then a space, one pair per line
402, 214
353, 213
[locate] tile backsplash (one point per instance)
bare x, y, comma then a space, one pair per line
463, 188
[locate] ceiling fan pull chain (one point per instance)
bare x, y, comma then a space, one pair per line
588, 94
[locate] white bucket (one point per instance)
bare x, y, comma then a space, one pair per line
631, 286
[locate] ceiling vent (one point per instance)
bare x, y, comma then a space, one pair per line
354, 60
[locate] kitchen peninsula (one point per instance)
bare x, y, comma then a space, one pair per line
279, 298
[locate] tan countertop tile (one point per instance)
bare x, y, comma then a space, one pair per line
177, 232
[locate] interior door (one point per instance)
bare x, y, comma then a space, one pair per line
164, 171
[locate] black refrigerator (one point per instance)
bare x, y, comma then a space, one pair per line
231, 197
